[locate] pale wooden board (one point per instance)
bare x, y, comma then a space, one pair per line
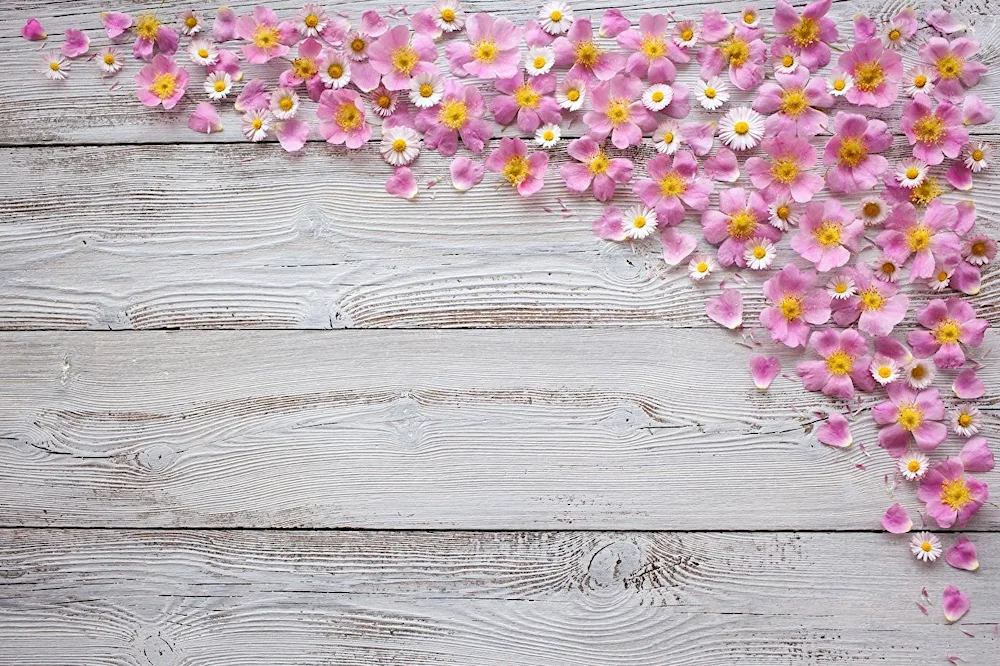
608, 428
528, 599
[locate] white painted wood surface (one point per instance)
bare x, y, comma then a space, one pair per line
605, 401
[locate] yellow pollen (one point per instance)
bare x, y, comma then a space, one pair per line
841, 288
668, 137
257, 123
219, 85
828, 234
266, 37
872, 209
348, 117
964, 420
894, 35
653, 47
335, 70
702, 267
573, 94
840, 362
791, 307
599, 163
955, 494
203, 53
912, 172
794, 102
787, 60
426, 90
516, 170
950, 66
399, 145
109, 59
556, 16
885, 372
687, 34
736, 52
926, 192
358, 45
929, 129
657, 96
742, 225
853, 151
448, 15
538, 62
485, 50
783, 212
54, 66
978, 249
587, 53
942, 276
453, 114
305, 68
918, 237
741, 127
404, 59
384, 101
785, 170
548, 135
749, 18
948, 331
918, 372
839, 84
759, 252
926, 546
805, 32
164, 85
639, 222
146, 26
191, 22
710, 92
868, 75
286, 103
919, 81
311, 21
888, 268
977, 155
871, 299
673, 185
618, 111
913, 466
526, 96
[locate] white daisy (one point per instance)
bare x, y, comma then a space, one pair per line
190, 23
884, 370
639, 222
783, 212
383, 101
218, 85
920, 373
892, 36
925, 546
841, 287
400, 145
335, 69
872, 210
839, 83
941, 279
356, 46
741, 128
965, 420
571, 93
539, 60
701, 267
913, 466
55, 66
448, 15
785, 61
555, 18
751, 17
979, 249
203, 52
712, 94
311, 20
284, 103
911, 172
657, 96
109, 60
256, 124
759, 253
426, 89
686, 33
548, 135
977, 156
886, 269
667, 137
919, 79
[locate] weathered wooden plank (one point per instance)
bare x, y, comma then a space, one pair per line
136, 237
532, 599
516, 429
35, 109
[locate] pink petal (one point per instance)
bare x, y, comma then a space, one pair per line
224, 27
976, 456
613, 24
968, 386
955, 603
609, 225
726, 309
977, 112
764, 369
401, 183
942, 21
77, 43
205, 119
252, 97
465, 174
722, 166
33, 30
115, 23
962, 555
372, 23
676, 245
896, 520
835, 431
292, 134
959, 176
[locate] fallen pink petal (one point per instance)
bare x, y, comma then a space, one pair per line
962, 555
896, 520
968, 385
764, 369
402, 183
77, 43
33, 30
465, 174
955, 604
726, 309
205, 119
836, 432
976, 455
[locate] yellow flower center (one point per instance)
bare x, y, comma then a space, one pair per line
687, 34
399, 145
759, 252
785, 170
257, 123
977, 155
191, 22
805, 32
929, 129
871, 299
219, 85
912, 173
426, 90
964, 420
146, 26
311, 21
453, 114
918, 237
526, 96
404, 59
885, 372
657, 96
736, 52
783, 212
710, 92
556, 16
888, 268
358, 45
841, 288
868, 75
794, 101
639, 222
978, 249
925, 192
853, 151
787, 60
702, 266
749, 18
305, 68
286, 103
872, 209
599, 163
548, 135
448, 15
618, 111
919, 81
668, 137
913, 466
335, 70
942, 276
348, 117
918, 372
538, 62
955, 494
828, 234
839, 84
516, 170
109, 59
653, 47
926, 546
840, 362
573, 94
485, 50
741, 127
266, 37
54, 66
791, 307
164, 85
384, 101
673, 185
203, 53
742, 225
948, 331
894, 35
950, 66
587, 53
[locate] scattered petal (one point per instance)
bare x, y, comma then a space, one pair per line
976, 456
722, 166
677, 245
205, 119
955, 603
726, 309
115, 23
968, 386
764, 369
896, 520
402, 183
77, 43
836, 432
33, 31
465, 174
962, 555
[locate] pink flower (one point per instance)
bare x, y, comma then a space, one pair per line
459, 114
962, 555
809, 35
305, 67
33, 31
934, 133
930, 241
787, 173
954, 66
268, 39
492, 49
726, 309
149, 32
744, 52
161, 82
764, 369
398, 58
341, 115
594, 165
896, 520
950, 324
909, 414
951, 497
954, 602
618, 111
792, 100
523, 171
828, 234
844, 365
794, 304
674, 179
877, 306
850, 153
529, 100
586, 59
740, 219
652, 49
876, 73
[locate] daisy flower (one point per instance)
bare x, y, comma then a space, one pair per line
920, 373
334, 69
257, 123
109, 60
886, 269
203, 52
218, 85
783, 212
979, 249
965, 420
448, 15
555, 18
524, 172
539, 60
701, 266
741, 128
284, 103
785, 60
750, 17
400, 145
884, 369
941, 279
759, 254
839, 83
900, 30
548, 135
686, 33
311, 20
383, 101
639, 222
977, 156
571, 93
55, 66
426, 89
190, 23
358, 44
712, 94
913, 466
667, 137
657, 96
919, 79
911, 172
872, 210
841, 287
925, 546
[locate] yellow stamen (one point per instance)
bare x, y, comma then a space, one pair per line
785, 170
736, 52
516, 170
742, 225
853, 151
956, 494
794, 101
829, 233
599, 163
587, 53
485, 50
791, 307
871, 299
653, 47
926, 192
673, 185
349, 117
948, 331
618, 111
805, 32
311, 21
404, 59
453, 114
868, 75
164, 85
526, 96
573, 94
840, 363
950, 66
918, 237
266, 37
146, 26
448, 15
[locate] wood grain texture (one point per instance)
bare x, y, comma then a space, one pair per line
215, 598
515, 429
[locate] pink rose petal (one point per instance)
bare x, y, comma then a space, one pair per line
977, 112
115, 23
224, 27
677, 245
942, 21
955, 603
33, 30
292, 134
835, 431
609, 225
976, 456
465, 174
968, 386
722, 166
401, 183
962, 555
764, 369
77, 43
726, 309
959, 176
896, 520
613, 23
205, 119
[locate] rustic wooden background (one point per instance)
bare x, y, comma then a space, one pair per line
254, 411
